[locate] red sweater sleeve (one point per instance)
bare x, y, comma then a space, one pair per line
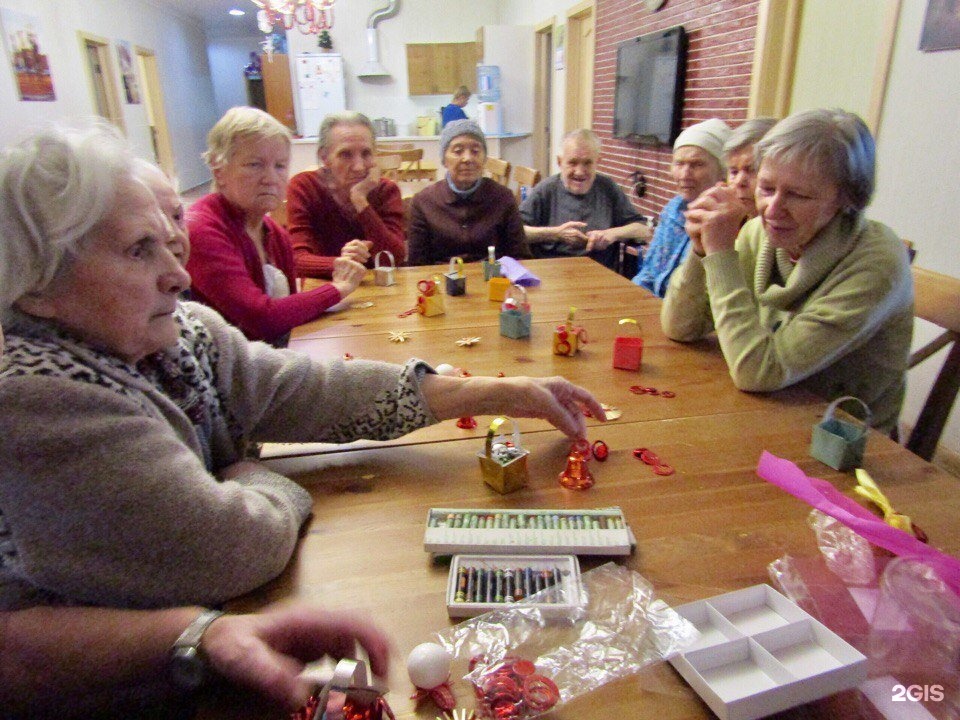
226, 273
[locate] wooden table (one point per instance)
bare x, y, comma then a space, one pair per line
710, 528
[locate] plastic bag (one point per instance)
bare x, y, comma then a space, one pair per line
897, 611
622, 628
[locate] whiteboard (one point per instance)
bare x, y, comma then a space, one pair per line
320, 87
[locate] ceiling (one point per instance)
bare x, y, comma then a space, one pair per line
213, 14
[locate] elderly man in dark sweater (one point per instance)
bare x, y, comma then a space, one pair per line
578, 211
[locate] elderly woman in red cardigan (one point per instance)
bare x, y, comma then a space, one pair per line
241, 261
344, 207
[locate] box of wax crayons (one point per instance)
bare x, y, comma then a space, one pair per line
481, 583
496, 531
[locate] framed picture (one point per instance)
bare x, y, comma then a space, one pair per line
128, 73
31, 69
941, 26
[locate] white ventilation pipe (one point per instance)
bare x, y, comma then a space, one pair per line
372, 67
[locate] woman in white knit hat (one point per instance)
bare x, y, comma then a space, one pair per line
809, 291
697, 164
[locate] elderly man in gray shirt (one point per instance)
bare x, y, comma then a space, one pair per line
577, 211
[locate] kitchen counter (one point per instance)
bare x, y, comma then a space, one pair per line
513, 147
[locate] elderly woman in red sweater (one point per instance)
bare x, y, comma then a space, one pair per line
344, 208
241, 261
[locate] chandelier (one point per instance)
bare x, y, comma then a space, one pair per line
309, 16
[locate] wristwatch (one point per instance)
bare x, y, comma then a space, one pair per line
187, 666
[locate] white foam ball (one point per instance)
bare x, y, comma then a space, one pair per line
445, 369
428, 665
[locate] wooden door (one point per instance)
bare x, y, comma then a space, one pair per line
103, 78
156, 116
543, 97
278, 89
579, 62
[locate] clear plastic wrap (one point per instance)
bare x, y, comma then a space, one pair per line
899, 612
621, 629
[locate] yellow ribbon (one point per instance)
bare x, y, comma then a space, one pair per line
867, 488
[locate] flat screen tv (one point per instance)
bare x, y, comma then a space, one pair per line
648, 100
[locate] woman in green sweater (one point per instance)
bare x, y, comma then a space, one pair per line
810, 291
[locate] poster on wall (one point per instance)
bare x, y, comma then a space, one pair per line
130, 87
31, 69
941, 26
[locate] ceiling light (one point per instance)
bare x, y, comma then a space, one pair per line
236, 12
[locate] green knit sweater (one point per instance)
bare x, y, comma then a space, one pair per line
839, 320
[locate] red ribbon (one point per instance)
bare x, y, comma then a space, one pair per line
441, 695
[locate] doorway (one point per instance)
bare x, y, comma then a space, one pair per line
103, 78
580, 45
156, 117
543, 97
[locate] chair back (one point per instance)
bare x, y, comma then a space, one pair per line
525, 177
497, 169
279, 214
936, 300
389, 166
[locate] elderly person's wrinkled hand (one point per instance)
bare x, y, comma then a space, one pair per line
266, 652
357, 250
716, 217
600, 239
572, 232
554, 399
347, 275
359, 192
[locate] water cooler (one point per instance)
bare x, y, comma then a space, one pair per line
489, 109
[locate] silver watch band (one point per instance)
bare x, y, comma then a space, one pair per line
193, 634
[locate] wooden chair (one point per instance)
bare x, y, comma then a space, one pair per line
497, 169
525, 177
413, 168
936, 300
388, 148
279, 214
389, 166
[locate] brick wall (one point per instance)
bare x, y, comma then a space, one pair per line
721, 37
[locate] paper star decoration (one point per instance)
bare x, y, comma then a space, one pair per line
468, 341
399, 336
464, 715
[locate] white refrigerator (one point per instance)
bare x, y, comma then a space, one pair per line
320, 89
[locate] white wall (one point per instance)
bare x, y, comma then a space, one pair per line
523, 12
418, 21
227, 57
180, 49
917, 176
916, 164
836, 55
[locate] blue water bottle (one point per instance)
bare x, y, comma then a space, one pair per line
488, 83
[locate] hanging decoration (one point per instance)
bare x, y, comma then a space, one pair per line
310, 17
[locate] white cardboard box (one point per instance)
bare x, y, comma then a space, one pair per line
759, 653
555, 597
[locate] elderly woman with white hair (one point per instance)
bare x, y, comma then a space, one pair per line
810, 291
344, 207
126, 413
241, 261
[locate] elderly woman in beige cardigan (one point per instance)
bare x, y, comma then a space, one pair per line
125, 413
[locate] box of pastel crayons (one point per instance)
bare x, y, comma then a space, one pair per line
481, 583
